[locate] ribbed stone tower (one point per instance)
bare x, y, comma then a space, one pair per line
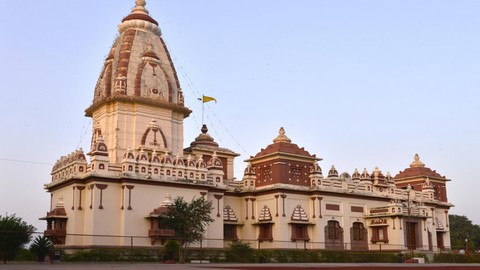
138, 102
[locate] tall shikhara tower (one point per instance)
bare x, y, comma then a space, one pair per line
138, 102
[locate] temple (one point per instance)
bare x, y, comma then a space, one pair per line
137, 164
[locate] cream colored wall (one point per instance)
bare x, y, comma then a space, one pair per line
215, 229
346, 218
123, 125
145, 198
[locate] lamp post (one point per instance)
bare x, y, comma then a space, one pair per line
409, 188
408, 227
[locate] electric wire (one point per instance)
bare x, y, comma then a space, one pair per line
26, 161
196, 93
84, 128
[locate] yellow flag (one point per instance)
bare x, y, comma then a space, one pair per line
208, 99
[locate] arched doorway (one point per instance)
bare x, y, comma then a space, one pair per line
358, 236
333, 235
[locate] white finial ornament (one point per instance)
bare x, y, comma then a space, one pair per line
416, 162
140, 6
281, 137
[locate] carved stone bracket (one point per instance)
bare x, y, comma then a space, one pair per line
101, 187
80, 189
218, 197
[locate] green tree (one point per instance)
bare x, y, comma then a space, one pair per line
461, 229
188, 220
14, 233
41, 246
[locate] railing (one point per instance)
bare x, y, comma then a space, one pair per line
161, 233
56, 232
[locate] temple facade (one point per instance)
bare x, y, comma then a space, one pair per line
137, 164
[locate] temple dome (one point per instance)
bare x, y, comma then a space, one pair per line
417, 169
204, 138
282, 144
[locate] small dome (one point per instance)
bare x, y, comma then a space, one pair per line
142, 156
315, 168
333, 172
178, 161
365, 175
99, 148
190, 162
204, 138
166, 159
129, 154
214, 162
201, 164
59, 210
155, 158
249, 170
356, 175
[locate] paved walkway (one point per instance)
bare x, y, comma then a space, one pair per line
286, 266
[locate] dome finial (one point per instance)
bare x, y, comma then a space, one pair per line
416, 162
140, 6
281, 137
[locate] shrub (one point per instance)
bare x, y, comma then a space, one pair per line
263, 255
24, 255
240, 252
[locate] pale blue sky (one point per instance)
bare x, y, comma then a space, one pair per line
358, 83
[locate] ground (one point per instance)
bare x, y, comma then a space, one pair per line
306, 266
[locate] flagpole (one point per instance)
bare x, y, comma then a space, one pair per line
203, 104
205, 99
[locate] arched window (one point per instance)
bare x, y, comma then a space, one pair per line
180, 174
155, 171
130, 168
101, 166
357, 231
333, 229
